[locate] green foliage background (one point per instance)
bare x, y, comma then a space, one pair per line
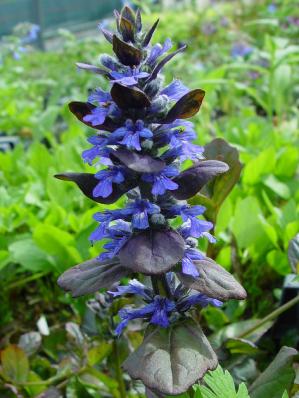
251, 102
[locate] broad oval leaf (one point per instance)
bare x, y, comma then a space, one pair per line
293, 254
92, 275
15, 364
219, 149
81, 109
139, 162
171, 360
278, 376
186, 107
129, 97
214, 281
192, 180
87, 182
152, 252
127, 54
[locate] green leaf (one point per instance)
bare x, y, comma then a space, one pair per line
220, 384
247, 226
98, 353
171, 360
30, 256
278, 376
259, 166
279, 262
15, 364
277, 186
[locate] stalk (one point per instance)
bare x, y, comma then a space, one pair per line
118, 371
271, 316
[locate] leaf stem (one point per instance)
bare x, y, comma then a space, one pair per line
118, 371
271, 316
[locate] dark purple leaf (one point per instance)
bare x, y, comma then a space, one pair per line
151, 394
92, 275
138, 162
149, 34
213, 281
138, 21
164, 61
129, 97
128, 13
127, 29
126, 53
171, 360
117, 19
87, 182
92, 68
81, 109
152, 252
186, 107
192, 180
108, 35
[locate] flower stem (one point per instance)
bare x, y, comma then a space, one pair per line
160, 285
118, 371
271, 316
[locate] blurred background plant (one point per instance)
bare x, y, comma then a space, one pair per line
245, 55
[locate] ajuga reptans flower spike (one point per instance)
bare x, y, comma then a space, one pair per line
141, 139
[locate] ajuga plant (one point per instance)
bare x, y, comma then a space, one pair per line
142, 138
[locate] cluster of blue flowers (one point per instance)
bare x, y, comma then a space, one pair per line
141, 143
159, 310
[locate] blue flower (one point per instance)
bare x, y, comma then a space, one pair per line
175, 90
105, 107
197, 229
240, 49
187, 302
140, 209
107, 177
133, 287
157, 312
190, 255
105, 218
162, 181
157, 50
130, 134
119, 234
129, 77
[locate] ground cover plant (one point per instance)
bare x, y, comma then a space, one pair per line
45, 223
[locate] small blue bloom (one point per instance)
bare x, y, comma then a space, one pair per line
162, 181
140, 210
272, 8
241, 49
197, 229
158, 312
104, 108
119, 234
97, 115
157, 50
190, 255
107, 177
131, 133
175, 90
187, 302
129, 77
133, 287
